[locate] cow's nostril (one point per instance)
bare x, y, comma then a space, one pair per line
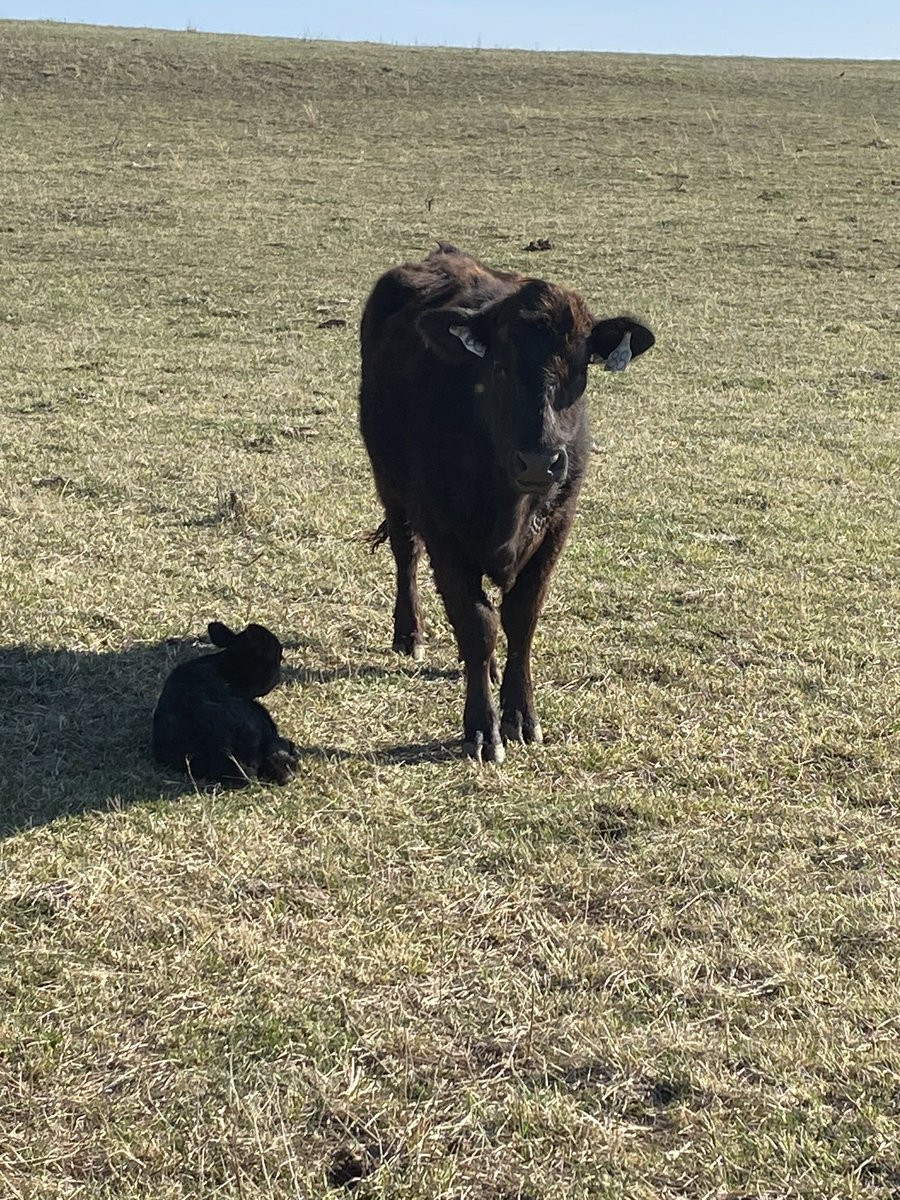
520, 462
558, 464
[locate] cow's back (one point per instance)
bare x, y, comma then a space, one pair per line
390, 342
446, 277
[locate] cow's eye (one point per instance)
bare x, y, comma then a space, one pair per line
573, 390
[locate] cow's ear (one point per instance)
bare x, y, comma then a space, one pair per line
219, 634
617, 340
453, 333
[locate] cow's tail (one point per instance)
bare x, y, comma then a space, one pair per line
377, 537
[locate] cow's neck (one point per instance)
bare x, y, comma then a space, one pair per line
515, 534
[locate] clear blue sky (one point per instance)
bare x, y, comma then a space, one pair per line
789, 28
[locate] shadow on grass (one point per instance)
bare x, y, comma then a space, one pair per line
408, 754
421, 752
75, 731
303, 675
75, 728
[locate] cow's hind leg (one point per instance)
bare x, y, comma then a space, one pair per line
474, 622
407, 548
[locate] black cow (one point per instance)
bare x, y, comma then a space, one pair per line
472, 410
207, 721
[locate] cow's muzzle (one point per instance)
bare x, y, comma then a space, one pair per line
536, 471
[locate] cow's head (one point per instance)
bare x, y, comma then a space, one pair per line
529, 354
250, 660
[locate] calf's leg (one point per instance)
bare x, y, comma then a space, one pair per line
279, 761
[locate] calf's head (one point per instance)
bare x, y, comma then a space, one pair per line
250, 661
529, 354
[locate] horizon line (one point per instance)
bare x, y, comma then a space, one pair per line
194, 31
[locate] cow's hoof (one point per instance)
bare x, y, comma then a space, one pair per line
483, 751
516, 728
407, 645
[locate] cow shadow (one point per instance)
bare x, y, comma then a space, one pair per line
417, 754
306, 675
75, 730
406, 754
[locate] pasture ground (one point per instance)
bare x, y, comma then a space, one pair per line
658, 957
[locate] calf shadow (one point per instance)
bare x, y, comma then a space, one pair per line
75, 730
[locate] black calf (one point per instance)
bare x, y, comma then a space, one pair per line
208, 724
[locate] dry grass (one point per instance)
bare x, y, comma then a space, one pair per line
656, 958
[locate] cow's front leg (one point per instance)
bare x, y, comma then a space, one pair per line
519, 613
474, 622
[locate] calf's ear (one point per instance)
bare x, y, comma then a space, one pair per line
219, 634
453, 334
617, 340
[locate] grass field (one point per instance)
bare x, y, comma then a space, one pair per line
658, 957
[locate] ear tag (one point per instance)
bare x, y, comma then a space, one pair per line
619, 358
464, 333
